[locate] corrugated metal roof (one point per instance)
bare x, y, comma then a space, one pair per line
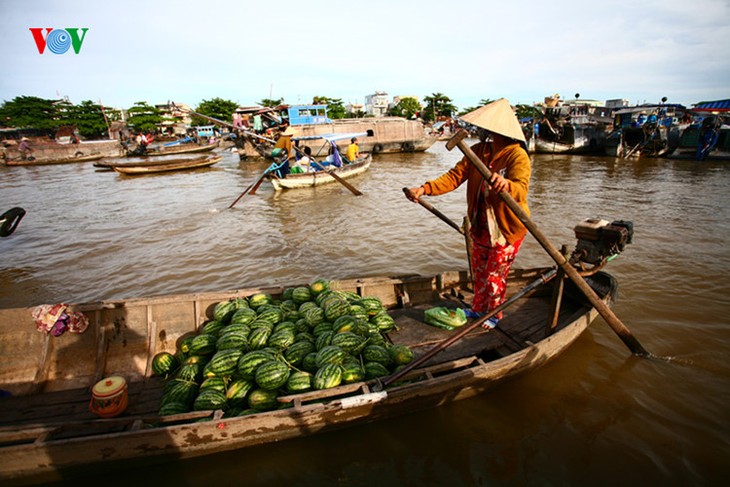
711, 106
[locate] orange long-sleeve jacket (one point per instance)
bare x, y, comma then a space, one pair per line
511, 162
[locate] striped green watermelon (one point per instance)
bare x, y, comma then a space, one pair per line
164, 363
301, 295
213, 327
272, 375
237, 328
224, 362
309, 363
232, 339
314, 316
376, 353
400, 354
249, 362
305, 306
318, 287
243, 316
323, 339
345, 323
271, 315
184, 344
305, 337
238, 391
259, 299
203, 344
286, 295
321, 328
181, 391
330, 355
373, 370
299, 381
224, 310
281, 339
384, 321
334, 308
371, 304
285, 325
297, 351
259, 337
217, 383
171, 408
263, 400
352, 372
210, 399
190, 372
348, 341
327, 376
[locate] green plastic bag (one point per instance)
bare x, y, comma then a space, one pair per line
448, 319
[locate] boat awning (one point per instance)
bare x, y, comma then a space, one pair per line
333, 137
712, 106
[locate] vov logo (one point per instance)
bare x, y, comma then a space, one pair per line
58, 40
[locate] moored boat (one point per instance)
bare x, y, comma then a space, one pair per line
53, 160
136, 169
47, 429
110, 164
177, 149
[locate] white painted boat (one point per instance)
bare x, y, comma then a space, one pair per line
310, 179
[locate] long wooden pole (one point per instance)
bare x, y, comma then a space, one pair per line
433, 210
613, 321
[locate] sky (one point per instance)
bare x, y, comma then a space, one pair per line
246, 51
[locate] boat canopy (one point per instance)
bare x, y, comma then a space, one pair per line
712, 106
333, 137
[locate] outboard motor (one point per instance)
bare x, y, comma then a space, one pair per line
600, 241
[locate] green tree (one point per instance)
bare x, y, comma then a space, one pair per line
406, 107
268, 102
144, 117
88, 118
437, 105
30, 112
526, 111
335, 107
482, 102
216, 108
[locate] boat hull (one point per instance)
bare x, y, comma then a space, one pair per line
135, 170
124, 336
311, 179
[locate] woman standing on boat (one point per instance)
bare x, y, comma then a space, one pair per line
496, 232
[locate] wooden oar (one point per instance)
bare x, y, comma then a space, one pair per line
546, 277
251, 188
613, 321
331, 172
433, 210
337, 178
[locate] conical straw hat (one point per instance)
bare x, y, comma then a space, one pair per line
497, 117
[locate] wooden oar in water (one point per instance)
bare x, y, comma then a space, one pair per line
613, 321
433, 210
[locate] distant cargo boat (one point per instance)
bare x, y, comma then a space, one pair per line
390, 134
570, 129
708, 138
645, 131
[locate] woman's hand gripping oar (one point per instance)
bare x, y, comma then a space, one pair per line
616, 325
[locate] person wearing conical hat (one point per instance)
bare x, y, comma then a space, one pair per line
496, 232
284, 143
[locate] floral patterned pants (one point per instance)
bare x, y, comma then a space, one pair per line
490, 266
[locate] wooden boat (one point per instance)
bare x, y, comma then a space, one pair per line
47, 431
111, 164
309, 179
134, 170
177, 149
59, 160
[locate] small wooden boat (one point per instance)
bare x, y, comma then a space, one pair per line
178, 149
47, 431
309, 179
134, 170
59, 160
111, 164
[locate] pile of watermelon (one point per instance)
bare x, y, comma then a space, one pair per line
258, 348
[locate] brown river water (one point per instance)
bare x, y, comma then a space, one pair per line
595, 416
